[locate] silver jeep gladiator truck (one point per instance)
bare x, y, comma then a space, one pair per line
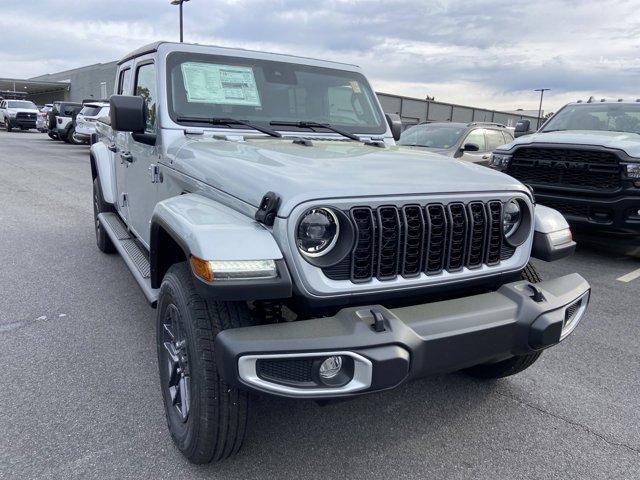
290, 248
585, 162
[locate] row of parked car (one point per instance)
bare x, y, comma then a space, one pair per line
72, 122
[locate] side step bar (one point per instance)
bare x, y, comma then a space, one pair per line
132, 253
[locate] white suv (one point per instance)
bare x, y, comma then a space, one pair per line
18, 113
85, 123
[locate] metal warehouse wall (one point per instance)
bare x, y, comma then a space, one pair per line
93, 81
414, 110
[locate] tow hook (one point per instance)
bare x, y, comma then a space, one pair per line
378, 321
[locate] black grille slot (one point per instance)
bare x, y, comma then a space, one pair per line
494, 237
414, 240
389, 232
287, 371
458, 236
477, 234
437, 238
362, 263
589, 169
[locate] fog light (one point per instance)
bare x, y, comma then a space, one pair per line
334, 371
330, 367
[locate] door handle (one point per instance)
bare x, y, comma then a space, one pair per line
485, 157
126, 157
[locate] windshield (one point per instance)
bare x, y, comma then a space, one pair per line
432, 135
261, 91
604, 116
21, 104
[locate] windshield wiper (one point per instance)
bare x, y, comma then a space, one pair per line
554, 130
313, 125
229, 121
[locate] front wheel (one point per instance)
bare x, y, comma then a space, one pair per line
206, 417
7, 125
512, 365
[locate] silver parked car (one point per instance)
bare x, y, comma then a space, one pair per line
472, 142
290, 248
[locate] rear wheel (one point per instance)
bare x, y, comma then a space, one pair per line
206, 417
100, 206
52, 136
512, 365
71, 137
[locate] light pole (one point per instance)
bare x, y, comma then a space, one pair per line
179, 2
541, 90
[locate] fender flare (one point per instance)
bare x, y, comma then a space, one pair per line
103, 169
552, 238
204, 228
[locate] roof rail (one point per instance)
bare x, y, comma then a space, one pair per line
487, 123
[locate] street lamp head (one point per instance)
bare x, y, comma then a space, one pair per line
178, 2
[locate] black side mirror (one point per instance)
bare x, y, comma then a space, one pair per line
470, 147
523, 126
395, 124
127, 113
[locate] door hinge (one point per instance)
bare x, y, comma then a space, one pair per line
124, 199
156, 174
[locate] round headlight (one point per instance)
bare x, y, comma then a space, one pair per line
317, 232
511, 218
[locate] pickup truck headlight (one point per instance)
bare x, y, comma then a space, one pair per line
511, 217
11, 114
633, 170
317, 232
499, 161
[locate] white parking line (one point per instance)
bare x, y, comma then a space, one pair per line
630, 276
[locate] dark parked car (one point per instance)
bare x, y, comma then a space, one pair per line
473, 142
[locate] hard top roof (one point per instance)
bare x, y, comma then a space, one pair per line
153, 47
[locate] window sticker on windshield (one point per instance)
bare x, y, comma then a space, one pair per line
355, 86
220, 84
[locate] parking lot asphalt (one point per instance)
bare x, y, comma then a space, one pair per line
80, 396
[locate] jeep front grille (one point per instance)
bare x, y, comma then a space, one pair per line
428, 239
589, 169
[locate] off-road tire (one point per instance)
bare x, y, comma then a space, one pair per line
53, 136
215, 426
7, 125
103, 241
67, 136
512, 365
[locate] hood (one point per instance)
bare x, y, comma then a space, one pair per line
628, 142
23, 110
328, 169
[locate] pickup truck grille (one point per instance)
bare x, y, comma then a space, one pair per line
428, 239
25, 116
588, 169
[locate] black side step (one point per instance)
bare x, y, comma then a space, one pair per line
132, 253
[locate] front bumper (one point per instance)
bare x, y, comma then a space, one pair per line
22, 122
618, 215
416, 341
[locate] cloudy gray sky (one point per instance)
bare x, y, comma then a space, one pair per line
484, 53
